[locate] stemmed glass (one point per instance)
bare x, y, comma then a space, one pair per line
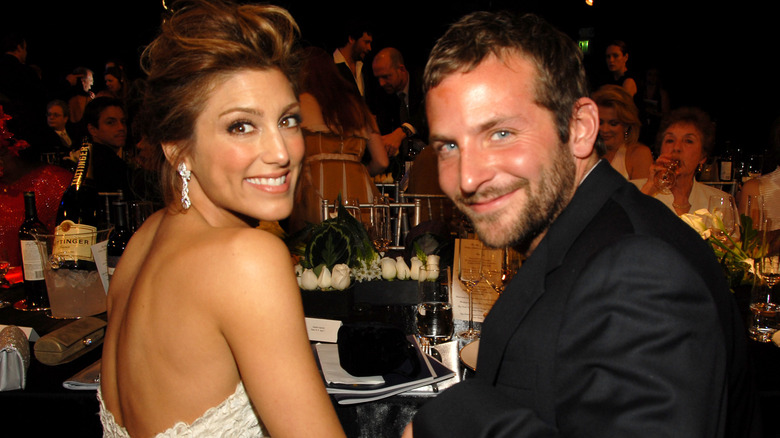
499, 266
726, 209
469, 276
765, 299
379, 225
4, 283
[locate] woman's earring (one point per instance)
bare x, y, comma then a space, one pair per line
185, 191
625, 135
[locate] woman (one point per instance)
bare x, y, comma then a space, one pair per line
619, 129
224, 351
688, 135
617, 59
767, 185
337, 128
115, 84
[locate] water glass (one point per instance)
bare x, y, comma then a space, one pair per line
726, 209
434, 308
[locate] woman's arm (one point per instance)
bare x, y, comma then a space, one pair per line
261, 317
638, 162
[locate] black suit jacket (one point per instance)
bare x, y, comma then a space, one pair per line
620, 324
387, 108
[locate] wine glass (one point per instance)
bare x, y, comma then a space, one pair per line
664, 181
724, 207
499, 266
379, 225
469, 275
765, 299
4, 266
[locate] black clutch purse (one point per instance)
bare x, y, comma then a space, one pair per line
376, 349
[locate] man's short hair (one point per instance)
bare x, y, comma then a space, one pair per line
60, 103
355, 30
95, 108
560, 79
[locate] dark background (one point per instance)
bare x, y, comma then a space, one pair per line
720, 57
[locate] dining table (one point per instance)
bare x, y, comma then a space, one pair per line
45, 408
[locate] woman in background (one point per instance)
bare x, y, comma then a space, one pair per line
223, 352
617, 64
337, 129
687, 134
619, 129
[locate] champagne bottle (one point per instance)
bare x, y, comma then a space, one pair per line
35, 295
120, 235
77, 217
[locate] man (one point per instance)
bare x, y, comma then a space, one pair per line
21, 89
349, 57
399, 112
59, 139
106, 124
619, 323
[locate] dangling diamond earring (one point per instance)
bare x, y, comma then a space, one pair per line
625, 135
185, 191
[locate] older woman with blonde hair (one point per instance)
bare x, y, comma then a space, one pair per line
206, 332
619, 130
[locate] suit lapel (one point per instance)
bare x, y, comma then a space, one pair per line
529, 283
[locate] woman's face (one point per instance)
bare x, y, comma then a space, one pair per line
248, 148
611, 130
616, 60
112, 83
682, 140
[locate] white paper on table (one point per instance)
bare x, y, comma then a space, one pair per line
330, 364
100, 254
484, 295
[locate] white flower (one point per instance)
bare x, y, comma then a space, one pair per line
389, 269
433, 267
433, 260
340, 277
402, 269
415, 268
308, 280
324, 280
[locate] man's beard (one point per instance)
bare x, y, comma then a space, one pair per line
543, 204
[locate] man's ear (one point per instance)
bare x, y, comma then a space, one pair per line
91, 130
584, 128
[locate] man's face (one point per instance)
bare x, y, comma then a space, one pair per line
55, 118
111, 129
500, 158
361, 47
391, 79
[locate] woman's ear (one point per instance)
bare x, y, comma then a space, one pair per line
171, 151
584, 128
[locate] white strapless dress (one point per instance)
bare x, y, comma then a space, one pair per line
234, 417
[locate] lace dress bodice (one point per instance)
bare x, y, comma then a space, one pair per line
234, 417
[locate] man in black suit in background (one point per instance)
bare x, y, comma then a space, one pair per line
399, 110
619, 322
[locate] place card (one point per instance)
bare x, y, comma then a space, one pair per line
484, 295
323, 330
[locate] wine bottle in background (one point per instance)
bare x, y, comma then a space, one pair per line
35, 295
78, 214
120, 235
727, 164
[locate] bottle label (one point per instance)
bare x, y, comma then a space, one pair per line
725, 170
31, 261
74, 241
